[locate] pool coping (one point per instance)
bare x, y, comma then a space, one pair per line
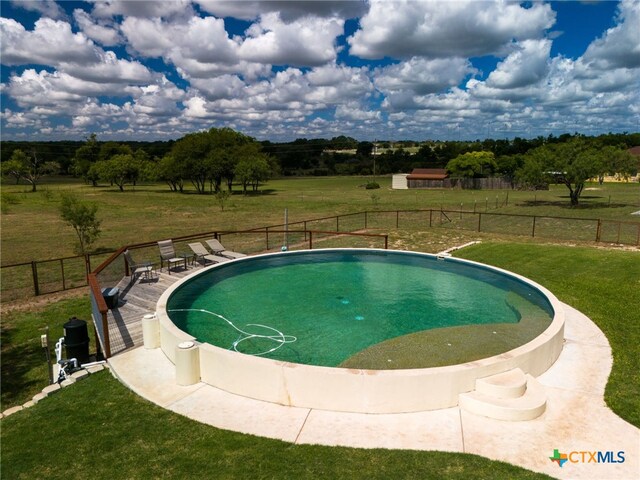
576, 419
358, 390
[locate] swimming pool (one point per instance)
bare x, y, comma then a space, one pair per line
384, 317
334, 308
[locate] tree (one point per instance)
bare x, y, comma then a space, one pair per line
252, 170
110, 149
211, 157
365, 149
572, 163
120, 170
472, 165
190, 152
15, 165
29, 167
508, 165
616, 161
85, 157
170, 171
82, 217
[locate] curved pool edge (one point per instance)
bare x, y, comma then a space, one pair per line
359, 390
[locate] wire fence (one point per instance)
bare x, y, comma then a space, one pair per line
39, 277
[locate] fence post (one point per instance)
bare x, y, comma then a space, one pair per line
533, 228
64, 285
310, 240
386, 242
305, 230
479, 220
105, 330
87, 263
598, 230
34, 272
266, 231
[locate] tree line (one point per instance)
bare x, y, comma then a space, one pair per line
212, 161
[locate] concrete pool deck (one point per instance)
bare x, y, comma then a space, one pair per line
576, 418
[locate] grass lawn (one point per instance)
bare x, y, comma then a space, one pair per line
24, 368
99, 429
152, 212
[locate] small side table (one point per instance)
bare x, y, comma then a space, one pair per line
186, 257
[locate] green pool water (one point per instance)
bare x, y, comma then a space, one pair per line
326, 307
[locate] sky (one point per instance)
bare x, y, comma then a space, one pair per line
281, 70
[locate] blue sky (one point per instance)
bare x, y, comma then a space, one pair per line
281, 70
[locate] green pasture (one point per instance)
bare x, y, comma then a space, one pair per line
151, 212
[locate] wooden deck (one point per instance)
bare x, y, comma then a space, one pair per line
137, 300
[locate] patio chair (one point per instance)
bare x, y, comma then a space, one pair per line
218, 249
203, 254
137, 269
168, 254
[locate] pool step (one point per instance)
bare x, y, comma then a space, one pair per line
511, 395
510, 384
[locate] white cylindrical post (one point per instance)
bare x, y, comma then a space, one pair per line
187, 364
151, 331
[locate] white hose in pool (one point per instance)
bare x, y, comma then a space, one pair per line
280, 338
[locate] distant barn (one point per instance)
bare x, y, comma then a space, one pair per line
439, 178
428, 178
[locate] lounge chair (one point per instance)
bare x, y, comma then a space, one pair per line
203, 254
168, 254
218, 249
137, 269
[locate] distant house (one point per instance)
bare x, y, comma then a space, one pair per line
428, 178
634, 151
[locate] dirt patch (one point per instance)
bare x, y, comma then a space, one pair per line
39, 302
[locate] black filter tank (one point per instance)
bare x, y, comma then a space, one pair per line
76, 340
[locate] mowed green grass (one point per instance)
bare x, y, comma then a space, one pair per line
24, 369
32, 228
99, 429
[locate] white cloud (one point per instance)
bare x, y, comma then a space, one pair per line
355, 111
150, 37
110, 69
526, 65
288, 10
198, 48
48, 8
38, 89
50, 43
619, 47
104, 33
422, 76
304, 42
402, 29
141, 8
224, 86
